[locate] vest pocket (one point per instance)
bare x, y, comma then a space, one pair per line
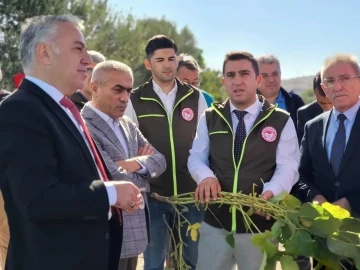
151, 115
219, 132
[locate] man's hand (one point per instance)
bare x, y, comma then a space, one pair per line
146, 150
319, 199
267, 195
128, 196
207, 186
344, 203
129, 165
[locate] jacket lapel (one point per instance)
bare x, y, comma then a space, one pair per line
126, 133
102, 126
323, 129
352, 143
64, 118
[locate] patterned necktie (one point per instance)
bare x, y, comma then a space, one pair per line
67, 103
338, 146
240, 134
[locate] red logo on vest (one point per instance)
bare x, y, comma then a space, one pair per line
269, 134
187, 114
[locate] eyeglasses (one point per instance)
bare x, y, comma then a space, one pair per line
343, 80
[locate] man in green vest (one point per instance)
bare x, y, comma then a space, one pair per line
240, 144
167, 112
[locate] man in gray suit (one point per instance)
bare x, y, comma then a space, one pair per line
126, 152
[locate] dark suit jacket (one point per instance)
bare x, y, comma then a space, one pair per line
57, 211
316, 174
78, 99
305, 114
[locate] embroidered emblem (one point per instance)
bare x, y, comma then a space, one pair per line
187, 114
269, 134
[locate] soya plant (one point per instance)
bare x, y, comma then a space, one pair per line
327, 233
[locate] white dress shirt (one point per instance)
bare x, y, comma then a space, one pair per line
56, 95
168, 101
287, 152
115, 126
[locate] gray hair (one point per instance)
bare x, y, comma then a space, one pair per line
97, 57
41, 29
109, 65
186, 60
268, 59
340, 58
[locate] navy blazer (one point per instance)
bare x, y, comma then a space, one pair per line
316, 174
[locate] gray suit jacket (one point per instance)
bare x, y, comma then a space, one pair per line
135, 238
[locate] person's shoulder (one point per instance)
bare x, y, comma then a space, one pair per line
141, 87
318, 119
128, 121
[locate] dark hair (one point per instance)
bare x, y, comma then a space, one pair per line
187, 61
317, 85
234, 56
159, 42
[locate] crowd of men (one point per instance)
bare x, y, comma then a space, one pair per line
84, 152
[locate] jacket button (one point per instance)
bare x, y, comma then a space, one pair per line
337, 184
107, 236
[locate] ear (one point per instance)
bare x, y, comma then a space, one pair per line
222, 81
147, 64
258, 80
94, 88
324, 89
43, 53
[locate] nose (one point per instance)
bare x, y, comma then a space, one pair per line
125, 97
86, 59
238, 80
338, 85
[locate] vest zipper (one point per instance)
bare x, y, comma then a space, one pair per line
172, 145
237, 166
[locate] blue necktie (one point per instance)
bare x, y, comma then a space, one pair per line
240, 134
338, 147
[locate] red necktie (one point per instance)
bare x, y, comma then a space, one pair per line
67, 103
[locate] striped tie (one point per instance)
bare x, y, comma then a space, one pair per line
338, 147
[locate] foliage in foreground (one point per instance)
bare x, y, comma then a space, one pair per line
327, 233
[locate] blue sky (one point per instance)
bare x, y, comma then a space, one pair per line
301, 33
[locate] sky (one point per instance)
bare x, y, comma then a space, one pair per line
301, 33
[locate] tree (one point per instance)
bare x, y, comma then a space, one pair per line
118, 36
211, 82
308, 96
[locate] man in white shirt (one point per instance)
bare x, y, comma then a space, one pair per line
126, 152
167, 112
240, 143
55, 186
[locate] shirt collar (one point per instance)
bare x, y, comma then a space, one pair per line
350, 113
252, 109
103, 115
158, 89
280, 98
54, 93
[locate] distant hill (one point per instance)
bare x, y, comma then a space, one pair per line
298, 84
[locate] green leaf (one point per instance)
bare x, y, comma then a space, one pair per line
311, 211
344, 244
324, 255
288, 263
276, 199
357, 262
276, 229
263, 263
230, 240
260, 239
301, 243
291, 202
351, 225
336, 211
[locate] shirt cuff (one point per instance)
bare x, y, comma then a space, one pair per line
203, 176
111, 191
143, 170
274, 188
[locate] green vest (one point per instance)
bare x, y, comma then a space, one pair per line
171, 136
256, 165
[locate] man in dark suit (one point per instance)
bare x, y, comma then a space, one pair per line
81, 96
310, 111
330, 149
59, 214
